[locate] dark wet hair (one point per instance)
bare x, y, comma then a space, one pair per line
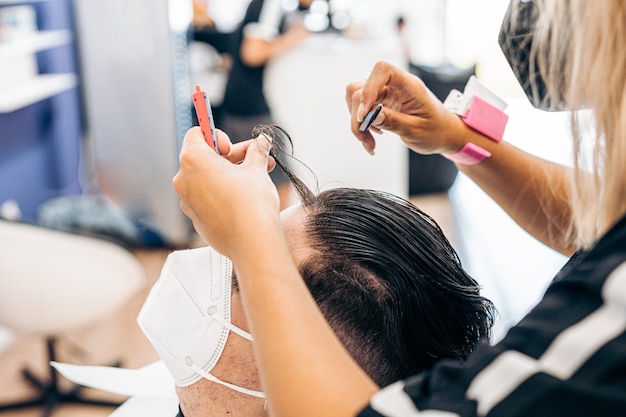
387, 280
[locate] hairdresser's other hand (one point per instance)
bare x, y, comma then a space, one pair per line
228, 198
410, 110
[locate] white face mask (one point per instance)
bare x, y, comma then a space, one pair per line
186, 316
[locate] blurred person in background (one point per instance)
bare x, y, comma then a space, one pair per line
266, 31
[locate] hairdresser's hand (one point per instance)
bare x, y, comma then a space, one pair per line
230, 198
410, 110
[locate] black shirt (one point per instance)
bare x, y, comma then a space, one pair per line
244, 90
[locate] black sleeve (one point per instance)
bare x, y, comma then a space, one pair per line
567, 357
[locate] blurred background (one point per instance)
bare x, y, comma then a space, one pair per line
95, 98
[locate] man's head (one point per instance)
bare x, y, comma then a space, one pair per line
384, 276
386, 279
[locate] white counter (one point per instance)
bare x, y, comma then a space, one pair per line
306, 90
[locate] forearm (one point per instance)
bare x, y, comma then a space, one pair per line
533, 192
256, 52
233, 204
304, 369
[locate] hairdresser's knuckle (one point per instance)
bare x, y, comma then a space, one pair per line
186, 159
390, 123
383, 66
352, 88
380, 65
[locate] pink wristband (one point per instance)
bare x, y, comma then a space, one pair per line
485, 118
470, 154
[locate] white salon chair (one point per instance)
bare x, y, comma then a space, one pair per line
52, 282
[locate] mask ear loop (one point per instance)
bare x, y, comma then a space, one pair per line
213, 378
237, 388
232, 327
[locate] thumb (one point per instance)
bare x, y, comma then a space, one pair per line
258, 152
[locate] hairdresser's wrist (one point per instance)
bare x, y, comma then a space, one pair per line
483, 113
255, 240
468, 146
264, 267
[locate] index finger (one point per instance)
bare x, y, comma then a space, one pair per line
375, 88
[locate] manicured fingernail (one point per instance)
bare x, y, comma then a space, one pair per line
368, 148
265, 141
